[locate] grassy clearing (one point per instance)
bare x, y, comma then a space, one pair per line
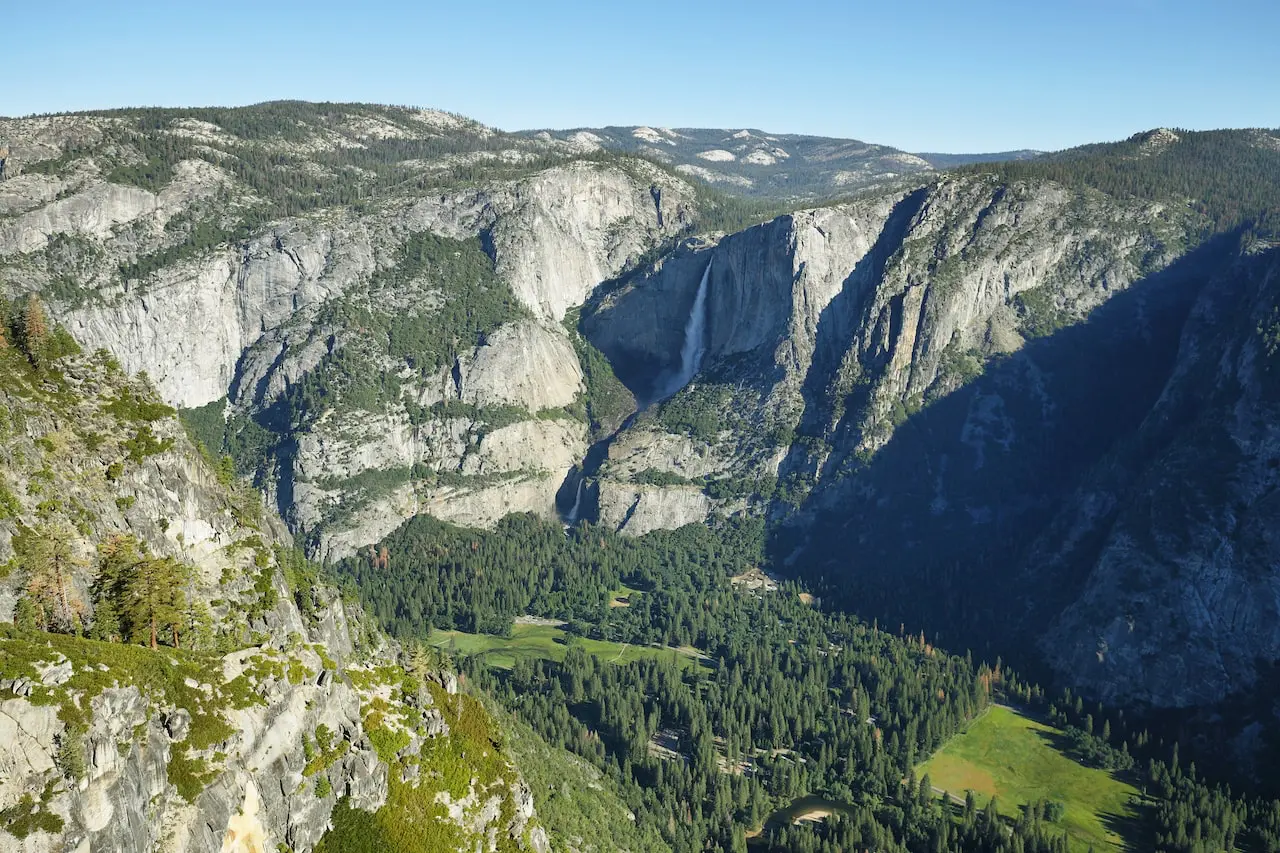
548, 643
1017, 759
621, 597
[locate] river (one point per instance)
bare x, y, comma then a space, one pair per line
809, 807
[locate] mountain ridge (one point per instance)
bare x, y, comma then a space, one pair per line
753, 163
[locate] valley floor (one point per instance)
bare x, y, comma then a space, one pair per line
1004, 753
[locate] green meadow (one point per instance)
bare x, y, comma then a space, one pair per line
549, 642
1014, 758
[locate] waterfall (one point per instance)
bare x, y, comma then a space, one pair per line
695, 344
572, 516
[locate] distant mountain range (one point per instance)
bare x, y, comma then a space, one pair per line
777, 165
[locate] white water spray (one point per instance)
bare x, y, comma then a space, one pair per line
572, 515
695, 344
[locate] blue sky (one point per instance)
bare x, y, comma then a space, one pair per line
933, 75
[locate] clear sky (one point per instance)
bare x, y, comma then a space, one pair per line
933, 75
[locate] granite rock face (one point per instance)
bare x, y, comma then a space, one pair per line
555, 237
564, 231
125, 801
837, 323
639, 509
249, 317
1181, 599
272, 777
525, 364
357, 479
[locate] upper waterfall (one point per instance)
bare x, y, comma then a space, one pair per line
695, 343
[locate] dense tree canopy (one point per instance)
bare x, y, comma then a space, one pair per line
786, 701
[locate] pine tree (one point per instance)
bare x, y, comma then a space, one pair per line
155, 602
50, 561
140, 598
417, 660
25, 617
118, 558
198, 625
991, 814
33, 330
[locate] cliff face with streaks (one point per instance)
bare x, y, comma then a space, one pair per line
178, 251
830, 328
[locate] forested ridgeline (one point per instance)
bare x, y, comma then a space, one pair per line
1229, 176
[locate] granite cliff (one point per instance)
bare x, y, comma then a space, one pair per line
829, 328
206, 278
968, 406
1169, 552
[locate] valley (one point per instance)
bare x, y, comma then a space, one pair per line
533, 491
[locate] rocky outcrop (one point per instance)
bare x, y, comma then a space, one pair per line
467, 504
93, 212
188, 325
639, 509
107, 745
561, 233
523, 364
255, 759
126, 799
500, 425
644, 448
97, 452
359, 478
